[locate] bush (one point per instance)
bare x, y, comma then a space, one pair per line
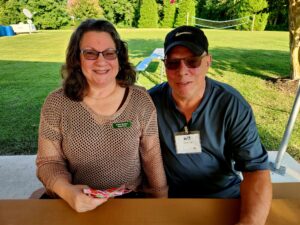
186, 10
168, 14
11, 12
85, 9
148, 14
49, 14
250, 8
120, 12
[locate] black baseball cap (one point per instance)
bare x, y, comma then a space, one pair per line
188, 36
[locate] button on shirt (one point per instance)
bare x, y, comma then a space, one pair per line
228, 137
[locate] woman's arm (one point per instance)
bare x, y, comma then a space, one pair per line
152, 160
51, 162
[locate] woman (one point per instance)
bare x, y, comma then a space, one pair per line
98, 130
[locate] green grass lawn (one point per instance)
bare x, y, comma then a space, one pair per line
30, 64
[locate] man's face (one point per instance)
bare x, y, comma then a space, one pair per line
186, 82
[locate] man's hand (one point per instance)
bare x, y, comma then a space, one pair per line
256, 197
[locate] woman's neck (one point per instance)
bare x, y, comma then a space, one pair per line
102, 93
105, 101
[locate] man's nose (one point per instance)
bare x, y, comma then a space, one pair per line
182, 68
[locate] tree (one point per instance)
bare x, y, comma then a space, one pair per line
148, 14
2, 11
120, 12
168, 14
216, 9
124, 13
85, 9
200, 7
49, 14
254, 8
11, 12
186, 11
294, 27
278, 18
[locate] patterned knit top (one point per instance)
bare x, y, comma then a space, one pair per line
101, 151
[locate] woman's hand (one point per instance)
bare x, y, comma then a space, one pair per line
74, 196
80, 201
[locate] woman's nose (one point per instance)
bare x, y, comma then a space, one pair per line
100, 58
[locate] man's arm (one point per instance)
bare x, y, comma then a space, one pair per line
256, 197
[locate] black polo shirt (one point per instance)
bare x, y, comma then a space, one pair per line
229, 142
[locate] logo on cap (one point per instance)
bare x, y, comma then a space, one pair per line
180, 33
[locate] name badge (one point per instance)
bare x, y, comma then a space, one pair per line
188, 142
122, 124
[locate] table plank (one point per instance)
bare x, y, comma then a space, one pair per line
286, 190
141, 212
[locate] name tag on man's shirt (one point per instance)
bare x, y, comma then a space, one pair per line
188, 142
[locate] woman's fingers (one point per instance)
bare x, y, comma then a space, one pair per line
83, 202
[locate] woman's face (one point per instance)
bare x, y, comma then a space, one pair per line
100, 69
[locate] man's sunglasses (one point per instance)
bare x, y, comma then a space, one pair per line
190, 62
108, 54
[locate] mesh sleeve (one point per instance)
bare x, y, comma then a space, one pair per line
51, 163
156, 184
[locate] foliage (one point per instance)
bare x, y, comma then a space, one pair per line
253, 8
120, 12
233, 9
216, 10
49, 14
200, 4
53, 14
11, 12
85, 9
260, 21
168, 14
148, 14
278, 18
186, 10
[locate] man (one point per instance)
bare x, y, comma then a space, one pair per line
208, 132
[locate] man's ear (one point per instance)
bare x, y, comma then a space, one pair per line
209, 60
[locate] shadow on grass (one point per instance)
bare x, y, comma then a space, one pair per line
152, 68
23, 89
254, 62
273, 108
261, 63
140, 48
272, 143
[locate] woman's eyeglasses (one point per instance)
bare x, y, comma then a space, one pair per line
90, 54
190, 62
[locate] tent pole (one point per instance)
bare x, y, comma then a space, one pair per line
288, 130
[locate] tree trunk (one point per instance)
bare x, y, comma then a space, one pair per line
294, 27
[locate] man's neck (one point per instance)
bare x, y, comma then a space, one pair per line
188, 105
